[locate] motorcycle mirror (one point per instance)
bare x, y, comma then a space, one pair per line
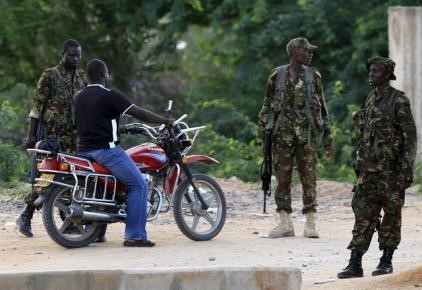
169, 105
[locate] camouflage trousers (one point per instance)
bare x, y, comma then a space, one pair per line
284, 154
376, 191
67, 144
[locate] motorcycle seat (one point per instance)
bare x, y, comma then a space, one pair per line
98, 168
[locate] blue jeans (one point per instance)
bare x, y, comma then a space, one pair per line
124, 169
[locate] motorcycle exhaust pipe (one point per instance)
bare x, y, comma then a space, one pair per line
76, 212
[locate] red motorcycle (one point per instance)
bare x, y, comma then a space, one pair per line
79, 196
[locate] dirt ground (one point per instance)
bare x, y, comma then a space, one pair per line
241, 242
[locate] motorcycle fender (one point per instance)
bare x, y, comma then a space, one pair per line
202, 158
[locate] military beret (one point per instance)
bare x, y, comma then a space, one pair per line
385, 62
300, 42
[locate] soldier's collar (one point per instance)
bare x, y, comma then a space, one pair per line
382, 90
63, 70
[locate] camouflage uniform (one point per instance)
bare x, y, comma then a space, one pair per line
55, 90
386, 151
53, 94
295, 138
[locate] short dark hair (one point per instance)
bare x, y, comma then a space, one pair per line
95, 68
68, 44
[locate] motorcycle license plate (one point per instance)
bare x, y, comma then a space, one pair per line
46, 182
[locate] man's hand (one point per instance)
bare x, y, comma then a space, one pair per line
329, 150
30, 142
404, 179
261, 130
315, 104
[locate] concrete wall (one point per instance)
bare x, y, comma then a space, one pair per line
210, 278
405, 46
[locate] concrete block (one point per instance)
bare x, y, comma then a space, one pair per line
209, 278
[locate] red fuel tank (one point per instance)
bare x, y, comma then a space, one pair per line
148, 156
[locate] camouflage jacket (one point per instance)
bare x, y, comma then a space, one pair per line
53, 95
386, 132
292, 109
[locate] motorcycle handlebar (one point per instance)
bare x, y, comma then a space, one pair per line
152, 131
178, 120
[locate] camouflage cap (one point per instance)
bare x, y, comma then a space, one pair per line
297, 43
387, 63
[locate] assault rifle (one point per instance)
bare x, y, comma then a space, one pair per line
266, 166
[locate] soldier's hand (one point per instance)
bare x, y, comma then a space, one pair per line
30, 142
404, 179
329, 150
260, 132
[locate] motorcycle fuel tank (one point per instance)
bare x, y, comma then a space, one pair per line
148, 156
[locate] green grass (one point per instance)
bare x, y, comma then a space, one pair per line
20, 189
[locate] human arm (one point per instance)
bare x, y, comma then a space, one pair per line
263, 115
31, 138
407, 129
327, 139
41, 95
147, 116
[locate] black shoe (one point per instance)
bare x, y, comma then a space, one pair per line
24, 221
354, 269
138, 243
24, 226
385, 266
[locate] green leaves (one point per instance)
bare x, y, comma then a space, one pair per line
219, 78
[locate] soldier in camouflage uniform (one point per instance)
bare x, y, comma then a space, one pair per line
386, 150
294, 108
53, 99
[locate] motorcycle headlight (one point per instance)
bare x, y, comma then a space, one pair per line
186, 143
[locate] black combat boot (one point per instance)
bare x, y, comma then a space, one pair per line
385, 266
101, 236
354, 269
24, 220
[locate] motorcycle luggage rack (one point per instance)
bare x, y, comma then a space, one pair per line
81, 162
99, 188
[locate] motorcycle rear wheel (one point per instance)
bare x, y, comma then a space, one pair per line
67, 232
194, 222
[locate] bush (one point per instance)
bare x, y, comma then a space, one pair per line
13, 163
20, 189
237, 158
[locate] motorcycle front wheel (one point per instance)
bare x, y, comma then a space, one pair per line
67, 232
193, 221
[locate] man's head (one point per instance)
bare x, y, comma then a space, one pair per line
300, 50
97, 71
381, 70
71, 54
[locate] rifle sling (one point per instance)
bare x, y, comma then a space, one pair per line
279, 93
